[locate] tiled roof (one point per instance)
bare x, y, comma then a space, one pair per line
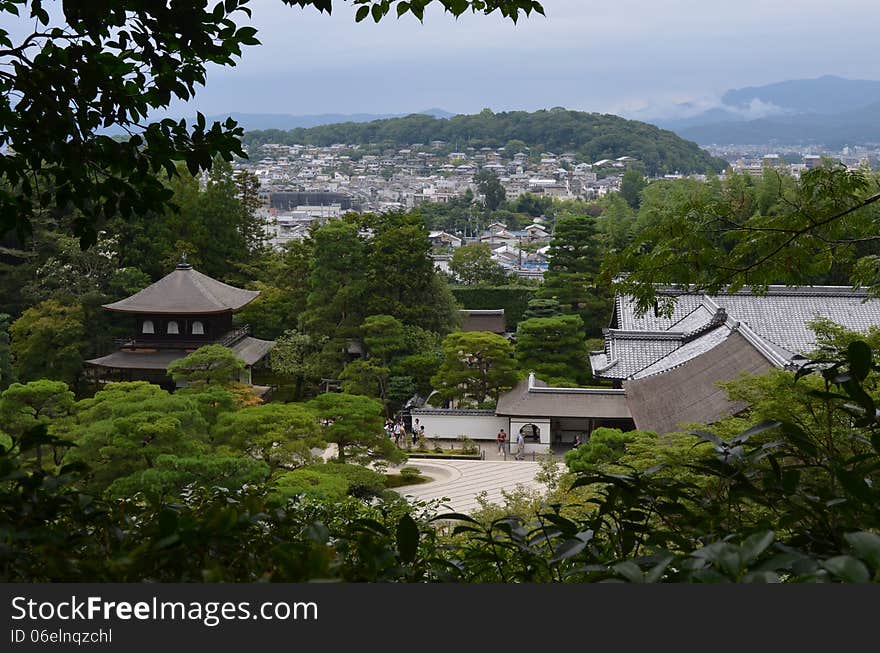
185, 291
776, 324
685, 352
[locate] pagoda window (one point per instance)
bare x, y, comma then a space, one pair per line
148, 327
198, 329
172, 328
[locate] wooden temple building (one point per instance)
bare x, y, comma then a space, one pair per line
173, 317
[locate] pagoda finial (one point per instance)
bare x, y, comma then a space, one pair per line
183, 265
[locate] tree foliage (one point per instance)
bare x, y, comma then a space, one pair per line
472, 265
354, 424
740, 233
48, 341
476, 366
280, 435
210, 364
554, 349
592, 136
572, 275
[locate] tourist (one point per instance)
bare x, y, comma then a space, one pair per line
502, 438
520, 446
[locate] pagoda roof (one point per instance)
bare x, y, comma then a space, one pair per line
185, 291
248, 350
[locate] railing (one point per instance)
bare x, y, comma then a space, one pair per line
175, 341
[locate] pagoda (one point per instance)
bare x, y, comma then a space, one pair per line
181, 312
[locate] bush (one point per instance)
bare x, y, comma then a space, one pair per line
362, 482
311, 483
468, 446
410, 474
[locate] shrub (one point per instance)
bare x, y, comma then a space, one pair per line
410, 474
468, 446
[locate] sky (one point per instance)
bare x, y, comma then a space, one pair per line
616, 56
631, 57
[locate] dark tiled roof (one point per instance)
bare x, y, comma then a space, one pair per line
249, 350
776, 324
185, 291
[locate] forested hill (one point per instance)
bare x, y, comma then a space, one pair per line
592, 136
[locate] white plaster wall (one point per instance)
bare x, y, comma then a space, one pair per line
516, 423
476, 427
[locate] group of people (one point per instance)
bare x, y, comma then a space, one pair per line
397, 431
520, 444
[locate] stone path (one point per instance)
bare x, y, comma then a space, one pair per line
460, 481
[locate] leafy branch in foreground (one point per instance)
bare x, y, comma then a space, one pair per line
720, 238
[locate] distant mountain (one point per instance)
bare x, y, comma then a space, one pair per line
830, 111
833, 131
827, 94
252, 121
594, 136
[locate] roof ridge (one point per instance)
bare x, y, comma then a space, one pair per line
203, 288
684, 362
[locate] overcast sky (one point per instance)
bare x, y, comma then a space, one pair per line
596, 55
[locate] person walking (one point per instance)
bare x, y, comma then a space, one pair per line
520, 446
502, 438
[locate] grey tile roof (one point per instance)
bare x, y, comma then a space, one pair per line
185, 291
685, 352
782, 319
627, 352
138, 360
629, 320
776, 324
249, 350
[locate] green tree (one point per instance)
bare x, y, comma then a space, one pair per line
283, 294
79, 71
472, 265
542, 308
616, 223
6, 374
384, 337
604, 446
355, 425
401, 280
490, 188
553, 348
716, 236
366, 377
571, 277
631, 188
476, 366
210, 364
335, 305
37, 403
280, 435
126, 427
48, 342
297, 355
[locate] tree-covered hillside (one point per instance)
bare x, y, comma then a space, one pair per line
592, 136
